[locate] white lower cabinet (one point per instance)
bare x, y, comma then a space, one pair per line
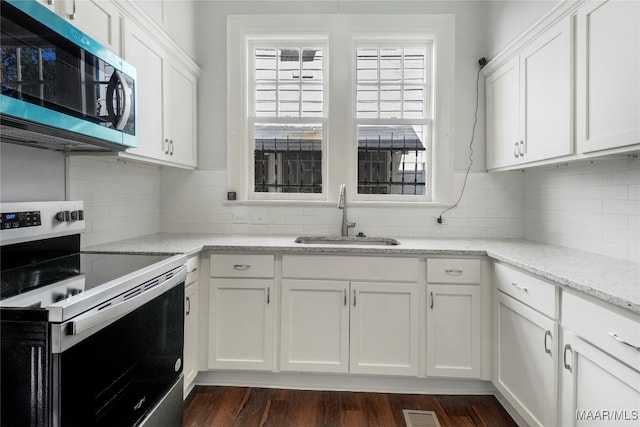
526, 360
384, 328
314, 335
241, 324
356, 327
190, 368
597, 389
191, 329
454, 330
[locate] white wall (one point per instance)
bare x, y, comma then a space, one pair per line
30, 174
589, 206
121, 199
194, 202
211, 56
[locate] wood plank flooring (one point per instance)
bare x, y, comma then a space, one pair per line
248, 407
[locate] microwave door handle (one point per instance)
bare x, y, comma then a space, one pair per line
118, 121
92, 319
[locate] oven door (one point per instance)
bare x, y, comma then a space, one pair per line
118, 374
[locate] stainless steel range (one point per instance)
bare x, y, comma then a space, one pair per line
87, 339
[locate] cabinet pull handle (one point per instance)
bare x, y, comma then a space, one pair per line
193, 271
454, 271
72, 15
354, 297
171, 144
188, 306
564, 357
519, 287
547, 334
166, 151
268, 295
515, 151
241, 267
431, 294
522, 149
344, 292
621, 341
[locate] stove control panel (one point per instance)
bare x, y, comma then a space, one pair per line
19, 219
28, 221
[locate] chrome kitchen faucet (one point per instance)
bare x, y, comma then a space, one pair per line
342, 204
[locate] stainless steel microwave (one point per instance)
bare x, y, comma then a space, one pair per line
60, 89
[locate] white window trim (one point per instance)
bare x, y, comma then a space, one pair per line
339, 158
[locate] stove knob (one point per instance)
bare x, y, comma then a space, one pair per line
73, 291
63, 216
58, 297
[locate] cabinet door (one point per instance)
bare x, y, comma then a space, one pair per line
526, 367
384, 328
503, 115
101, 19
148, 57
241, 324
50, 4
608, 75
315, 326
180, 114
190, 356
546, 94
454, 330
594, 383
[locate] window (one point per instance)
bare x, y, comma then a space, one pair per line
392, 87
332, 99
287, 113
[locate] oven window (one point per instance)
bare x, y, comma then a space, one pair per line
116, 375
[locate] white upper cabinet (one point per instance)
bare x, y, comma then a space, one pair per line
100, 19
529, 101
503, 115
608, 75
166, 121
546, 95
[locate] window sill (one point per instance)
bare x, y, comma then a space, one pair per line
323, 203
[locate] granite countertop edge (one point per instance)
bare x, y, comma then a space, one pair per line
613, 280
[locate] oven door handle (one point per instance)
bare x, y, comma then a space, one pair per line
92, 319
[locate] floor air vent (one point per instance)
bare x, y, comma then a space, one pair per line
415, 418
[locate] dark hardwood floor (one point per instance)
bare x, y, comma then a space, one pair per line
247, 407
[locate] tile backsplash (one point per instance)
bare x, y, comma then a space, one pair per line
121, 199
592, 206
195, 202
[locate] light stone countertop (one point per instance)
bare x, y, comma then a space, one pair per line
610, 279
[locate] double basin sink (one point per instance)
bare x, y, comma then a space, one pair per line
340, 240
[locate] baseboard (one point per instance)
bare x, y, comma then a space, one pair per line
510, 409
350, 382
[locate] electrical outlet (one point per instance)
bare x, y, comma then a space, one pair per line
259, 216
441, 221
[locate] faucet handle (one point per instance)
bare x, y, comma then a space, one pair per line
342, 196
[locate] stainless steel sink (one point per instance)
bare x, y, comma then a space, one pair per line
339, 240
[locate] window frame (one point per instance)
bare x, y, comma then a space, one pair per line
339, 158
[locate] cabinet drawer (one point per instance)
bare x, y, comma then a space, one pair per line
453, 270
344, 267
615, 333
241, 265
536, 293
